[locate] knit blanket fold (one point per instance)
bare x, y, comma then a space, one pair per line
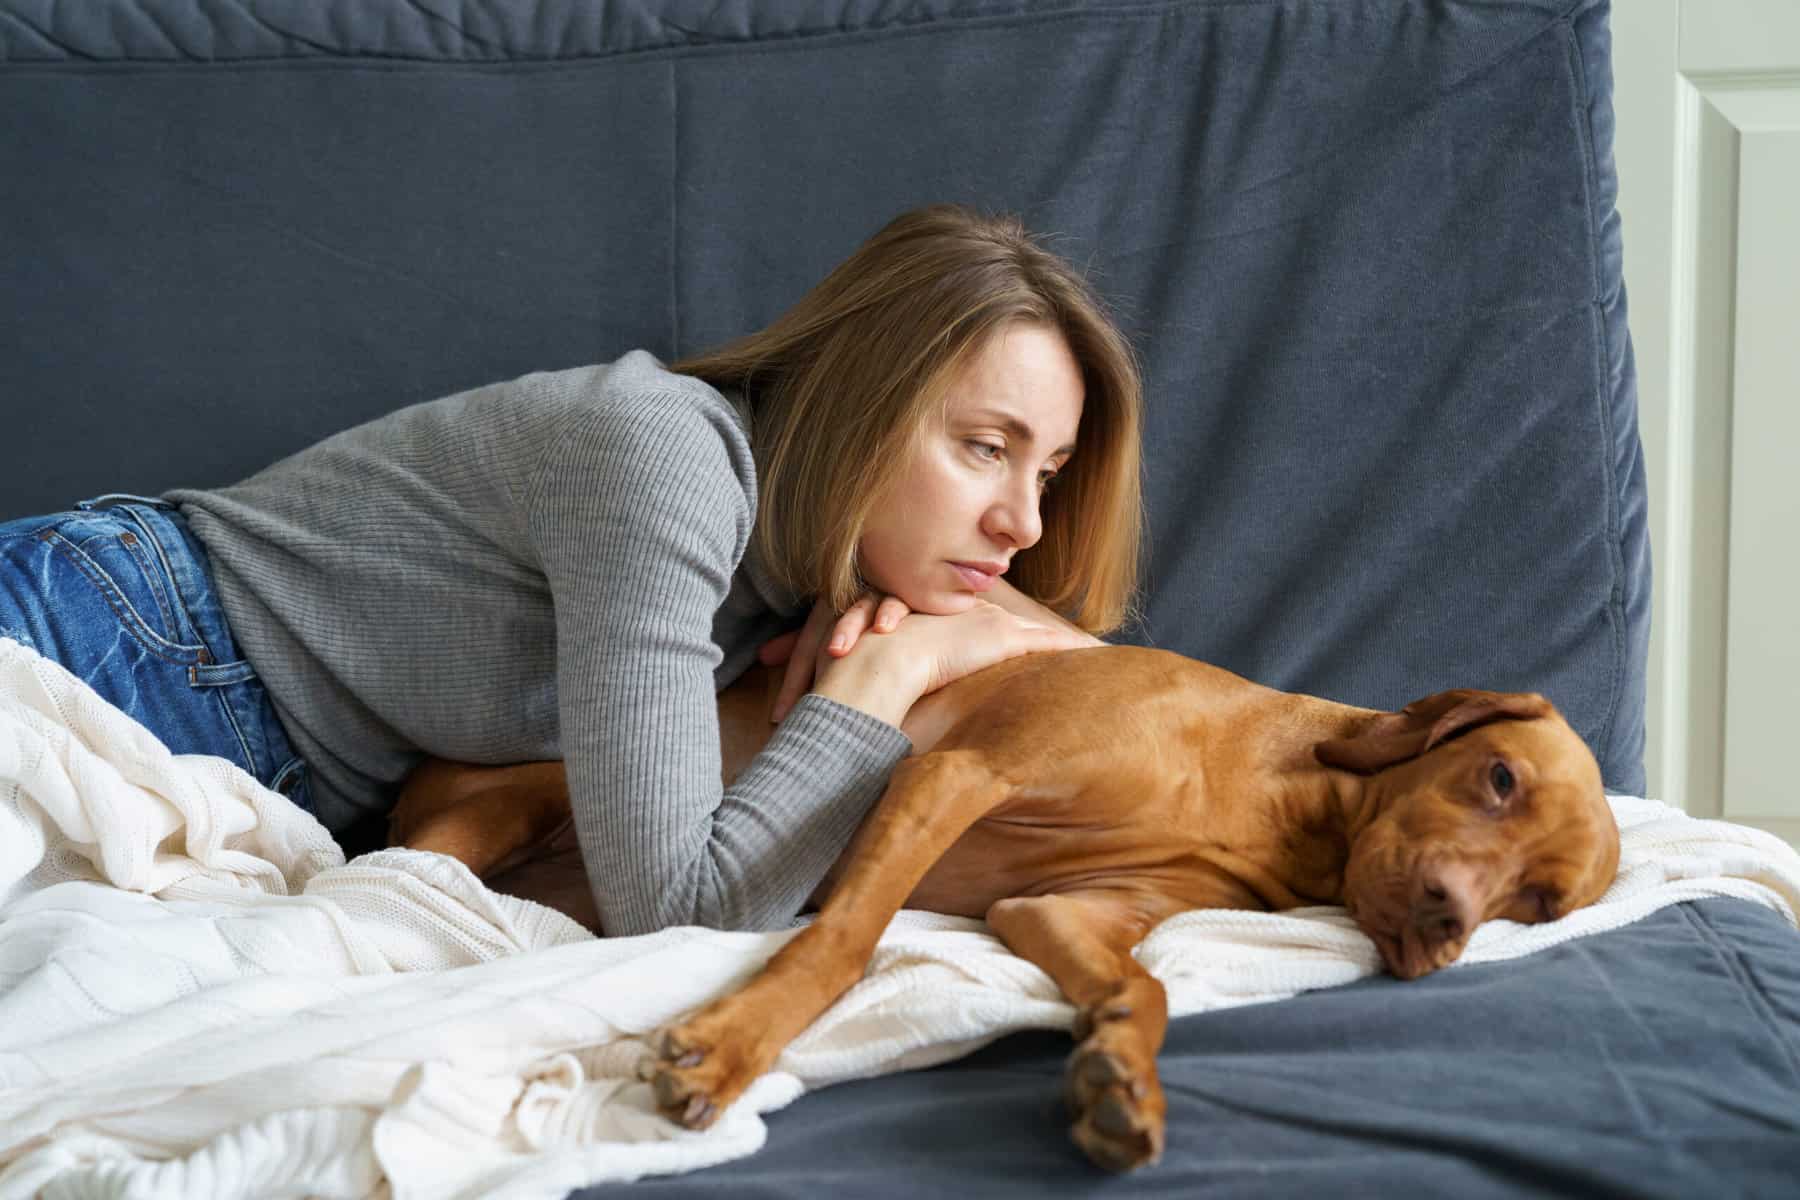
200, 997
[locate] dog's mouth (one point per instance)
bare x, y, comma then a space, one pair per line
1424, 949
1416, 949
1418, 923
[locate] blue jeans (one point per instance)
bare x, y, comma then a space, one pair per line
119, 592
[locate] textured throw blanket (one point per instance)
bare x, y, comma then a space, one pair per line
200, 997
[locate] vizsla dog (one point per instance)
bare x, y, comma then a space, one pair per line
1075, 799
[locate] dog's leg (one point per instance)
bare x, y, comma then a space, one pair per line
701, 1065
1083, 941
485, 816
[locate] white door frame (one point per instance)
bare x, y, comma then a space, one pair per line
1705, 90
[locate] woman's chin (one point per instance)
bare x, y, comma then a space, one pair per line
938, 602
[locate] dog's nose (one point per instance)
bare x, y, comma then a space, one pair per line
1449, 904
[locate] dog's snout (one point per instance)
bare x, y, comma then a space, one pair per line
1442, 925
1449, 905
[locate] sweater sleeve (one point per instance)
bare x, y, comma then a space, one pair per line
640, 514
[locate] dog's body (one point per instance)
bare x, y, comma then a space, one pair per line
1075, 799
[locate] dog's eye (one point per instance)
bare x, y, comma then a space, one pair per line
1502, 779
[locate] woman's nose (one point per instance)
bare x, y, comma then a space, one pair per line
1013, 516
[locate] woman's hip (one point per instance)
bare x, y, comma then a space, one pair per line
119, 592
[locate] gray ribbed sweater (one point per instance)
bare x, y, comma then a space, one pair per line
553, 567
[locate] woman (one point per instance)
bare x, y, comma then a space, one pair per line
569, 564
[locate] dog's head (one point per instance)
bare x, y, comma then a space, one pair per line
1486, 805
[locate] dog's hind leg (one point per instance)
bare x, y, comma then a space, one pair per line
487, 817
701, 1065
1083, 941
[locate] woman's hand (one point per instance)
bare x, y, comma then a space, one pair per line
966, 642
805, 649
1019, 604
885, 676
933, 650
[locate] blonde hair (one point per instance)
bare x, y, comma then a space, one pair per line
841, 383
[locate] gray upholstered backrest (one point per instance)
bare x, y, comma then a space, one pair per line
1366, 248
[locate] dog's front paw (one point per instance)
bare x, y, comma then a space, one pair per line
1112, 1089
696, 1070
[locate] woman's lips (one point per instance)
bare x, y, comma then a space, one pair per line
978, 580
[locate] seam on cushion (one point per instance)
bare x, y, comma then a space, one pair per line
44, 36
722, 44
764, 43
1615, 553
674, 212
1579, 8
277, 31
442, 19
1732, 959
1381, 118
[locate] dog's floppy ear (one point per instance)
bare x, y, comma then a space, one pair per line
1396, 737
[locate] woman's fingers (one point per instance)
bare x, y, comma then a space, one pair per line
871, 614
824, 638
888, 615
802, 660
850, 626
794, 681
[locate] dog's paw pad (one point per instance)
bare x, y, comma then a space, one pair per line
1116, 1101
1118, 1134
699, 1112
679, 1101
1099, 1069
1113, 1116
692, 1079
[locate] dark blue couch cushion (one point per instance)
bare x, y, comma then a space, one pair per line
1367, 250
1657, 1060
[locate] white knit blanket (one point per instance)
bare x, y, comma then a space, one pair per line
199, 997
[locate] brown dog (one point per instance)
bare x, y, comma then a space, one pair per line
1075, 799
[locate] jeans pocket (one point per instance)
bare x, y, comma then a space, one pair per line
289, 777
291, 781
133, 586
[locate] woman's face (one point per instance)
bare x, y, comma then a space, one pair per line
967, 499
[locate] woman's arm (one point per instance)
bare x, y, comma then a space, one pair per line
638, 516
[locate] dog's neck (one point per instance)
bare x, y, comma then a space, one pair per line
1325, 811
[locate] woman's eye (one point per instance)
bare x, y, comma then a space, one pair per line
1045, 478
988, 450
1502, 779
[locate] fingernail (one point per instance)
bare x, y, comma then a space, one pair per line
838, 643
